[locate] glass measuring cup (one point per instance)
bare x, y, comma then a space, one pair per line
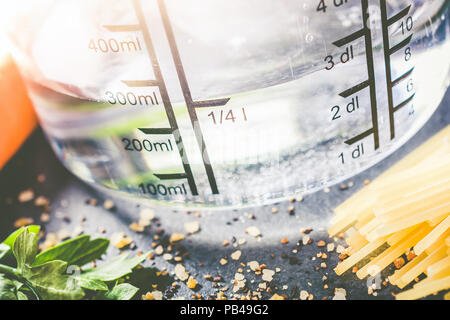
228, 102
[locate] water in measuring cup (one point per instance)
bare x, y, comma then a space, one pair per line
284, 128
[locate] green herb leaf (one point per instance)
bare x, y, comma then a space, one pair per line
90, 284
114, 269
21, 296
4, 249
77, 251
7, 289
25, 249
18, 284
123, 291
48, 279
64, 251
51, 282
93, 250
9, 241
46, 275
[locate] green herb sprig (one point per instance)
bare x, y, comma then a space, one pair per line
57, 274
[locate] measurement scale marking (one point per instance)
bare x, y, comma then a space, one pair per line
156, 130
191, 105
141, 83
355, 89
210, 103
370, 69
170, 176
398, 16
123, 28
402, 77
165, 96
388, 51
159, 82
359, 137
400, 45
367, 34
404, 103
356, 35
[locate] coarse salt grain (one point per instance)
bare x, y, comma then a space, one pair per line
305, 239
191, 283
330, 247
109, 204
136, 227
41, 201
167, 256
159, 250
22, 222
339, 294
180, 272
236, 255
239, 276
340, 249
192, 227
268, 275
253, 265
26, 195
304, 295
176, 237
253, 231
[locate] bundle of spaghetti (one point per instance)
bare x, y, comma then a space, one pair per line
404, 210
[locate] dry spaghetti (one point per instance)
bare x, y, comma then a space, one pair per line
406, 209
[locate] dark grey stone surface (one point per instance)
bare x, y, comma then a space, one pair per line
297, 269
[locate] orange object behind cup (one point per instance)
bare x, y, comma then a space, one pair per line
17, 117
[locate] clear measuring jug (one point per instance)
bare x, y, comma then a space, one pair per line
229, 102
